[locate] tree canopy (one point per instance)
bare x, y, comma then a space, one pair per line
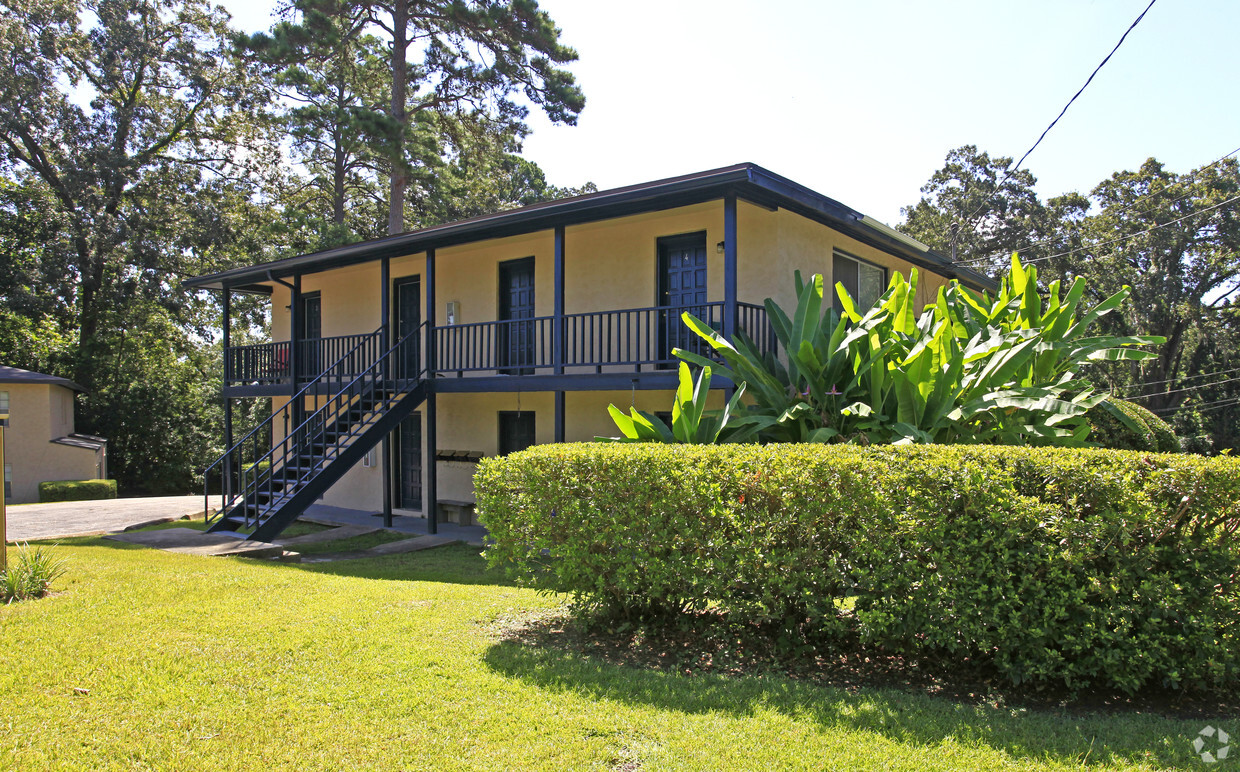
140, 144
1173, 237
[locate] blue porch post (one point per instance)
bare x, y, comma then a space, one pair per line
729, 275
432, 444
385, 315
729, 266
558, 331
226, 487
294, 349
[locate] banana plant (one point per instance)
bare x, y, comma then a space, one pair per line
967, 368
691, 422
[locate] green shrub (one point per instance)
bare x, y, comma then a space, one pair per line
76, 490
1057, 567
30, 574
1142, 431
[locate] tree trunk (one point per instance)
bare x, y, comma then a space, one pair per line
338, 179
400, 43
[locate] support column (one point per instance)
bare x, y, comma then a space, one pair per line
729, 266
432, 422
558, 330
226, 486
385, 321
294, 350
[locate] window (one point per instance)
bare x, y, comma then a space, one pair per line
864, 281
516, 431
8, 481
4, 402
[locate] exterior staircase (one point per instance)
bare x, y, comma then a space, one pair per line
269, 481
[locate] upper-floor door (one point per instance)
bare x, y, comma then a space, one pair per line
516, 339
310, 330
408, 311
682, 287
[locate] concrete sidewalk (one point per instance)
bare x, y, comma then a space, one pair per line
63, 519
327, 515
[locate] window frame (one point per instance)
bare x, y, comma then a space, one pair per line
499, 426
858, 261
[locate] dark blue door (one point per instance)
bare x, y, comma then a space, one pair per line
682, 287
515, 353
310, 332
409, 463
408, 319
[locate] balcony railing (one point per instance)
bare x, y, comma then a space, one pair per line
271, 363
627, 339
633, 339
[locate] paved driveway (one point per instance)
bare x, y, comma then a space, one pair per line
63, 519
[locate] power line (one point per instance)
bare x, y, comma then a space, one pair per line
1161, 191
1201, 407
1190, 377
1186, 388
1011, 170
1121, 238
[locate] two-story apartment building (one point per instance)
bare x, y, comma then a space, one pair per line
397, 362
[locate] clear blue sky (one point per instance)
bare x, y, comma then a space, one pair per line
862, 101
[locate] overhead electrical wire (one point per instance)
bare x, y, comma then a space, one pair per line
1012, 169
1178, 391
1192, 377
1201, 407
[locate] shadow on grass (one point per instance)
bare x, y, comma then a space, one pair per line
913, 719
456, 563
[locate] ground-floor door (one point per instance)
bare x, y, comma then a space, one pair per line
408, 459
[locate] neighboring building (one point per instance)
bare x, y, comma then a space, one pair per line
535, 319
40, 444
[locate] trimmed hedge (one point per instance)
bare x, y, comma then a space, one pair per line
76, 490
1155, 434
1058, 567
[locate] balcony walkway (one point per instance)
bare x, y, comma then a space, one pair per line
573, 347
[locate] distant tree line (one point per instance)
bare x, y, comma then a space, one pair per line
146, 141
1174, 238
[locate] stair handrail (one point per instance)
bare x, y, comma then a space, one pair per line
329, 408
225, 497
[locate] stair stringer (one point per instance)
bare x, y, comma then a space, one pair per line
308, 491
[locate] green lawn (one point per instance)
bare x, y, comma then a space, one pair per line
398, 663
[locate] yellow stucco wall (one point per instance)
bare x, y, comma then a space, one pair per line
608, 265
471, 422
38, 414
773, 245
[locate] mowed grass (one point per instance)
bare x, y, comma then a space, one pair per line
151, 660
